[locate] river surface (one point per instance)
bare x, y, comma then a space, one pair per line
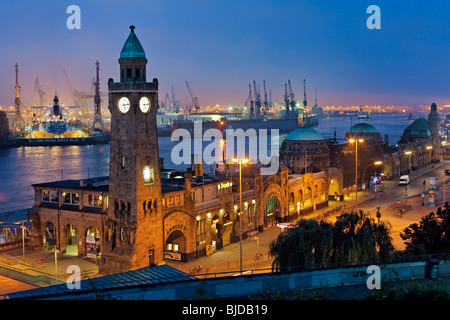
24, 166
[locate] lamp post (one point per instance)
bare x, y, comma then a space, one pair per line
376, 163
23, 242
240, 162
56, 251
356, 169
409, 153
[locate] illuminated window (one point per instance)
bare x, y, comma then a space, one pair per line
95, 200
148, 175
53, 196
49, 196
71, 198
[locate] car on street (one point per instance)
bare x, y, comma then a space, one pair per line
404, 180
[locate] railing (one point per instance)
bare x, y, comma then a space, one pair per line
197, 271
16, 208
207, 204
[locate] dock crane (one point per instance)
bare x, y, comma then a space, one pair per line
305, 102
266, 103
41, 93
286, 100
258, 103
291, 96
76, 95
250, 102
195, 103
164, 104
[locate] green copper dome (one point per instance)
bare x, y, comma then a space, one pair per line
304, 134
420, 128
132, 49
363, 128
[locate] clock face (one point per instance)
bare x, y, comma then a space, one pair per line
123, 104
144, 104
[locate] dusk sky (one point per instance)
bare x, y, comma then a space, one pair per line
220, 47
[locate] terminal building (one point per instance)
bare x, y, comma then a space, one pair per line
141, 215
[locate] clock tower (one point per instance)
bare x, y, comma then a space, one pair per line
133, 236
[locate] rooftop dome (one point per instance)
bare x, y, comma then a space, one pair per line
420, 128
132, 49
304, 134
363, 128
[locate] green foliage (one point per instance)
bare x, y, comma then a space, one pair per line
396, 291
430, 235
353, 237
4, 127
308, 244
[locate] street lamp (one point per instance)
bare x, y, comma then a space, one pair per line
356, 169
56, 251
23, 242
240, 162
376, 163
409, 153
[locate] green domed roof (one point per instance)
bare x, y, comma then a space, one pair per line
304, 134
420, 128
363, 128
132, 49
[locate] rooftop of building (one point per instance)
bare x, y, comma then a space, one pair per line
94, 184
143, 277
363, 127
171, 180
304, 134
132, 49
420, 128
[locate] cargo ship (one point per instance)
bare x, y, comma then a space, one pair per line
232, 121
56, 125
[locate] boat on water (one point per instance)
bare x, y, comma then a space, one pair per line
410, 116
58, 125
282, 124
364, 115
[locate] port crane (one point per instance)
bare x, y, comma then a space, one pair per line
77, 96
266, 103
195, 103
250, 102
41, 93
292, 102
164, 104
258, 102
286, 100
305, 102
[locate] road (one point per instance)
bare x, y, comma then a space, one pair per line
395, 197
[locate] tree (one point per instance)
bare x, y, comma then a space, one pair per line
309, 243
353, 237
430, 235
356, 236
4, 127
